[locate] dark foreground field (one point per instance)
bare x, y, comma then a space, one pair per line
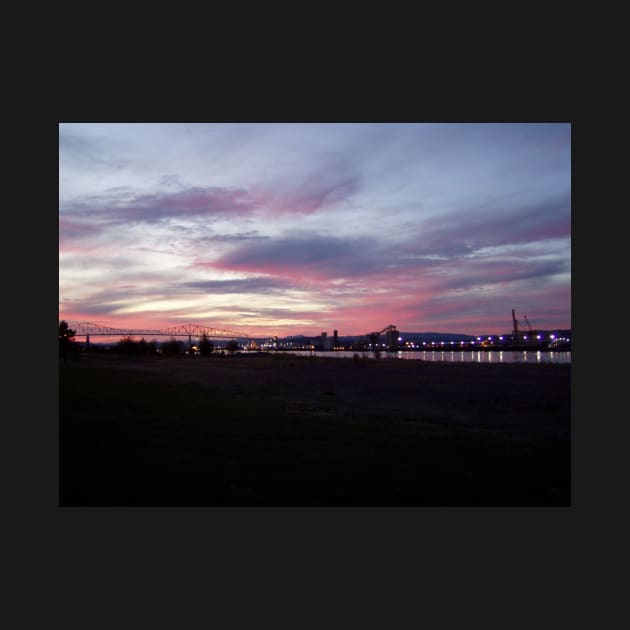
299, 431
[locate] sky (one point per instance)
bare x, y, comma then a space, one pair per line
287, 229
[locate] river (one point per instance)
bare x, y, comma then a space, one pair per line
453, 356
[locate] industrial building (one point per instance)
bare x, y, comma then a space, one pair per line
325, 341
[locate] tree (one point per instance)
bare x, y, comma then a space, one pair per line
143, 347
127, 345
66, 338
205, 346
231, 346
172, 347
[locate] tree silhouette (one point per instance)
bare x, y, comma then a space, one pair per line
172, 347
231, 346
205, 346
66, 337
127, 345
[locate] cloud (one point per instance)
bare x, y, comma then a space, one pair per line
232, 238
244, 285
265, 312
311, 192
469, 229
305, 257
78, 150
170, 180
498, 272
74, 230
87, 309
490, 312
114, 208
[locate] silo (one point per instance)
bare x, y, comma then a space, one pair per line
392, 338
325, 341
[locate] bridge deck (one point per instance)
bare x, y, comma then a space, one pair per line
185, 330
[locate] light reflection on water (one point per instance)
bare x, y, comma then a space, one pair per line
470, 356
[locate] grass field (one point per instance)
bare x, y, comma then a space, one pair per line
300, 431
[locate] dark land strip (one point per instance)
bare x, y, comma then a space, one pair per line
300, 431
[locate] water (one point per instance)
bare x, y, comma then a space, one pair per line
453, 356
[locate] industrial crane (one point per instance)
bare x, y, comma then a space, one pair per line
533, 332
390, 328
515, 323
516, 332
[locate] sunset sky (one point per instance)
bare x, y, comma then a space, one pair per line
282, 229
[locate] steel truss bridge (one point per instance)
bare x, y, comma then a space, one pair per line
88, 329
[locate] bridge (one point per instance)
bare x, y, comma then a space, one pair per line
89, 329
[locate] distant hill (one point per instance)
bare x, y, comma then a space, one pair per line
436, 336
407, 336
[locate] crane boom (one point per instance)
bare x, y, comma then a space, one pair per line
528, 324
386, 329
515, 323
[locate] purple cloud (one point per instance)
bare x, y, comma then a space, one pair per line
113, 208
244, 285
308, 194
306, 257
467, 230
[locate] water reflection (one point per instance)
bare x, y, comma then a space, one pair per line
464, 356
